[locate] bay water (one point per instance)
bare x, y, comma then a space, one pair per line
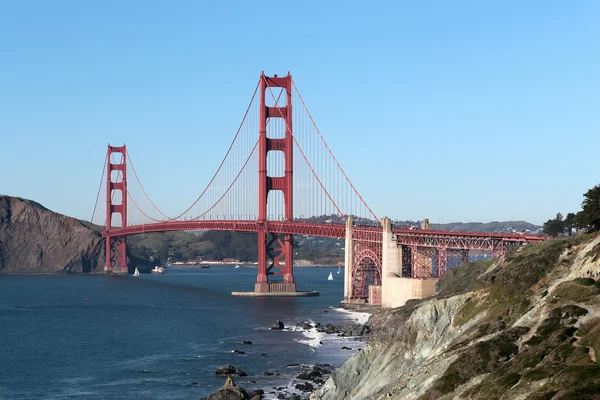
160, 336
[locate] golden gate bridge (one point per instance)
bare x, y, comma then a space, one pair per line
279, 178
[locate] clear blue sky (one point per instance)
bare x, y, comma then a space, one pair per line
456, 111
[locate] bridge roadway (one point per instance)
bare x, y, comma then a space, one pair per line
420, 237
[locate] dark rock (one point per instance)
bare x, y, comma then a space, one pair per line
305, 387
239, 352
229, 369
295, 397
318, 381
346, 348
306, 326
314, 374
281, 396
257, 397
278, 326
246, 342
303, 375
229, 391
257, 392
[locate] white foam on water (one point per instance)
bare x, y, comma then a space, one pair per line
314, 337
358, 317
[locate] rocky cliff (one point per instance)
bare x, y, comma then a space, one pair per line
35, 239
526, 326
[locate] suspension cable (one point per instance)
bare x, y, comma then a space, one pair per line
142, 186
99, 187
307, 162
224, 158
331, 153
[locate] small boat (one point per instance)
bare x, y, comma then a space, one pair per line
330, 277
136, 272
237, 266
338, 269
158, 270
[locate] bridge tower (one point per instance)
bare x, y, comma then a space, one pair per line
116, 203
278, 251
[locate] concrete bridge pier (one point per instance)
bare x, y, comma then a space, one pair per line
348, 260
395, 289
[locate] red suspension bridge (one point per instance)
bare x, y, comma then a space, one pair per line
279, 178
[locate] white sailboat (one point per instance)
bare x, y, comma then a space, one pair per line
330, 277
136, 272
338, 269
237, 266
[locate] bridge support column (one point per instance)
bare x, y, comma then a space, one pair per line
348, 257
116, 204
275, 252
391, 260
116, 255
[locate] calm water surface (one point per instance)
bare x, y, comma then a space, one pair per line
153, 336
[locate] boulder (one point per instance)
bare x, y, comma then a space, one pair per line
229, 391
277, 326
246, 342
229, 369
256, 394
305, 387
303, 375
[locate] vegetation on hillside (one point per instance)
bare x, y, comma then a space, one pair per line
587, 219
558, 357
159, 248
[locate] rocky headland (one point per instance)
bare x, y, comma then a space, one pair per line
525, 326
35, 239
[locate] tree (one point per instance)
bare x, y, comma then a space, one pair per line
589, 216
569, 223
554, 227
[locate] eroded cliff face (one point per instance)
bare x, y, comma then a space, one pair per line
35, 239
523, 327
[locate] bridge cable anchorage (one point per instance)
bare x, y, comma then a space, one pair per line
308, 163
142, 186
99, 188
331, 153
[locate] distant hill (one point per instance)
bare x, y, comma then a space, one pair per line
494, 226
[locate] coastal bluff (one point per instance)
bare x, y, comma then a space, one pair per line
34, 239
524, 326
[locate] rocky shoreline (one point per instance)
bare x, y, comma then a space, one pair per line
306, 378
